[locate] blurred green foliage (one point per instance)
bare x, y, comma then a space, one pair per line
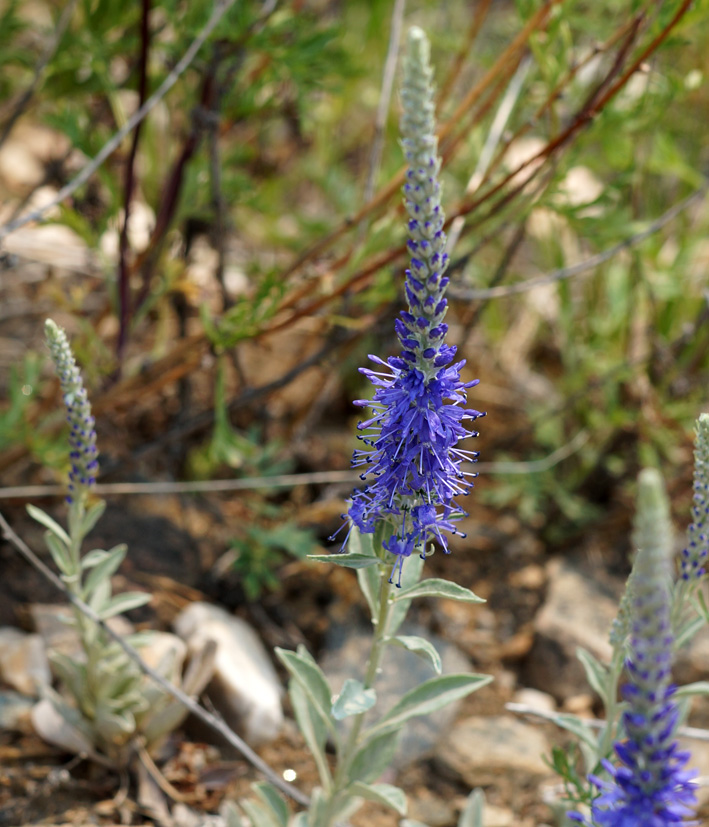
619, 352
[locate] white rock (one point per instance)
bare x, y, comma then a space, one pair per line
245, 687
535, 699
55, 729
23, 661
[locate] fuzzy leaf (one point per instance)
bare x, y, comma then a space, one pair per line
596, 673
309, 675
92, 516
385, 794
45, 520
373, 758
689, 689
124, 603
259, 816
104, 568
350, 561
353, 700
273, 801
309, 720
428, 697
60, 553
472, 813
435, 587
421, 647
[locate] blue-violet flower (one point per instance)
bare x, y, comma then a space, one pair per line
82, 436
419, 400
650, 787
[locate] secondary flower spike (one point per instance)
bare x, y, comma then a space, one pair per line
419, 403
694, 556
82, 437
650, 786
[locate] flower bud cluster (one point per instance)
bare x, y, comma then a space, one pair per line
411, 440
650, 786
82, 436
693, 560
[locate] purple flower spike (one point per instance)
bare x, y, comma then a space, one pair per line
649, 786
82, 436
693, 559
419, 403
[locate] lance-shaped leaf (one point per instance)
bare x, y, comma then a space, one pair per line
104, 567
596, 673
472, 814
428, 697
435, 587
370, 761
48, 522
422, 647
124, 603
353, 700
385, 794
350, 561
312, 679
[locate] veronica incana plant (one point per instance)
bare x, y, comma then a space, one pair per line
413, 456
106, 698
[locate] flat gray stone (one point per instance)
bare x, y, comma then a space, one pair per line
577, 611
480, 749
345, 656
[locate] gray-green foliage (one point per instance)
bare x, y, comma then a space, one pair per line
104, 694
364, 752
651, 572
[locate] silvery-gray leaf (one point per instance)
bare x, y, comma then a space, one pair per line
271, 798
259, 816
370, 761
100, 598
436, 587
125, 602
421, 647
689, 689
104, 568
309, 675
45, 520
596, 673
350, 561
310, 723
472, 813
60, 553
70, 673
385, 794
92, 516
428, 697
353, 700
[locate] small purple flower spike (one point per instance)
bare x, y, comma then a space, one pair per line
82, 436
649, 786
693, 559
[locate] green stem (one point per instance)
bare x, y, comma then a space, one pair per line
380, 623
